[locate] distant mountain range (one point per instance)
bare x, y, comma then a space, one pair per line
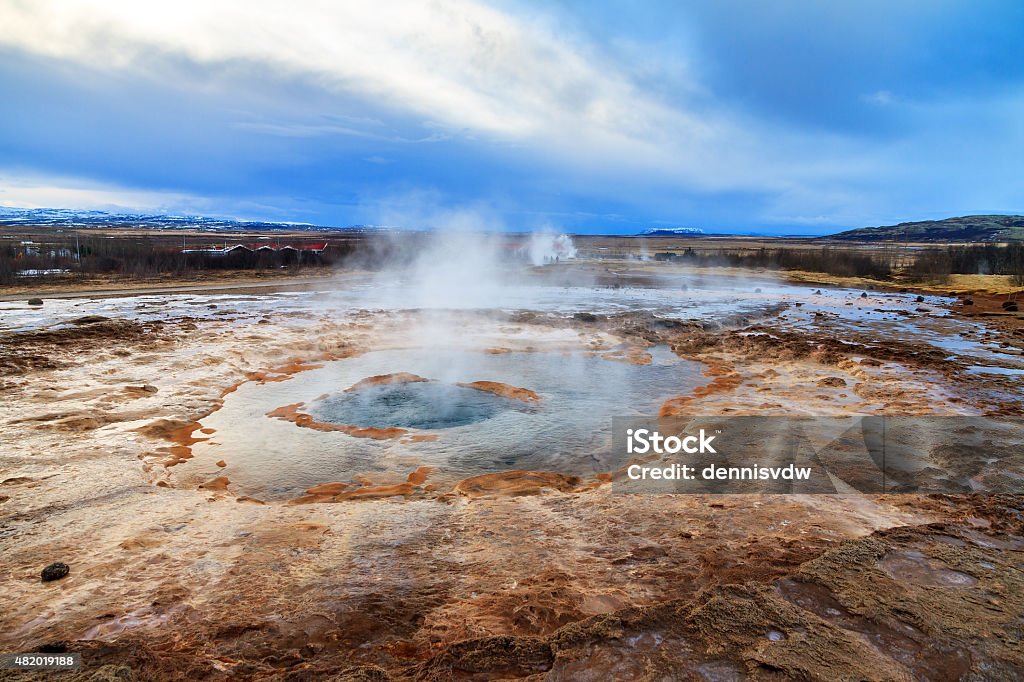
972, 228
671, 231
68, 218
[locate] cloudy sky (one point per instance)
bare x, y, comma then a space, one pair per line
771, 117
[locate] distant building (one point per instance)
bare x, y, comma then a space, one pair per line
256, 255
314, 249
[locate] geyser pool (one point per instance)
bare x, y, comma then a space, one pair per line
568, 429
409, 405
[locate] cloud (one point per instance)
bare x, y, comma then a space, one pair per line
879, 97
462, 63
26, 190
318, 129
462, 67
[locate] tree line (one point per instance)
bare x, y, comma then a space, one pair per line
975, 259
144, 256
926, 265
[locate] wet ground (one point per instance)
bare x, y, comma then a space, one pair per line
210, 539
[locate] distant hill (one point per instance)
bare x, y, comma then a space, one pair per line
972, 228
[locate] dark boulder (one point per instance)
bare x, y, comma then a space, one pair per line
55, 571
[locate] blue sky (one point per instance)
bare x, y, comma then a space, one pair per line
765, 117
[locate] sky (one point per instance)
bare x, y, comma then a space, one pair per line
782, 117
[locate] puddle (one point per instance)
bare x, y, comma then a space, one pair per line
913, 566
1005, 371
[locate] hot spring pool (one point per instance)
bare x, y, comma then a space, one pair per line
422, 405
567, 428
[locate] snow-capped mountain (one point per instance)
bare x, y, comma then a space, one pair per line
671, 231
60, 217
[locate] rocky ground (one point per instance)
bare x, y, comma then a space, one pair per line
513, 576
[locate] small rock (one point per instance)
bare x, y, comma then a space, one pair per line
55, 571
90, 319
145, 388
222, 464
585, 317
967, 301
219, 483
35, 301
919, 299
864, 294
757, 290
832, 382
